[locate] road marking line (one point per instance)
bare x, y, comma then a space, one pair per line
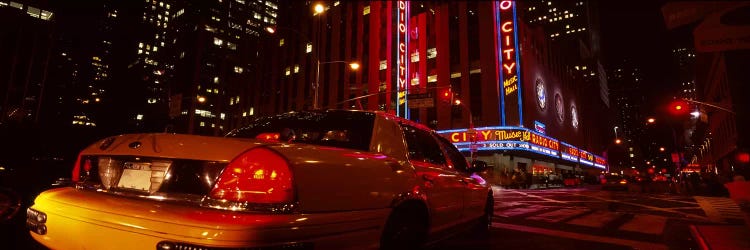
645, 223
651, 207
518, 211
596, 219
536, 196
559, 215
579, 236
719, 208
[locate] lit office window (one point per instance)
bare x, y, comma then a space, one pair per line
308, 48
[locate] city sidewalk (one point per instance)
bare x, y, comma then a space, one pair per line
721, 237
734, 235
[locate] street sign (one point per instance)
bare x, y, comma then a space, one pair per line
421, 103
424, 100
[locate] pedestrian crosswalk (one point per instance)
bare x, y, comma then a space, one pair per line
584, 217
720, 208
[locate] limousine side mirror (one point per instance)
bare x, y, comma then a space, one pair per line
478, 166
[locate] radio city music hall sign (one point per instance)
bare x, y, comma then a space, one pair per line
508, 51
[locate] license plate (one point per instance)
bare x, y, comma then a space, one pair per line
136, 175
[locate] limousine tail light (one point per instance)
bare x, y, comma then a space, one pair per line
259, 175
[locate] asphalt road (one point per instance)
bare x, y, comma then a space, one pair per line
590, 218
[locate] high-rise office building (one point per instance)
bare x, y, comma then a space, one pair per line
625, 82
189, 63
684, 58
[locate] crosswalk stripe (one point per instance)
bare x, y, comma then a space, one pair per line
719, 208
596, 219
559, 215
645, 223
518, 211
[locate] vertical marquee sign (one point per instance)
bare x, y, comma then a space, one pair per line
509, 64
401, 71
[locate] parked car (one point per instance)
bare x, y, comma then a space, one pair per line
615, 182
301, 180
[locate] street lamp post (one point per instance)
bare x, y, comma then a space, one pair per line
316, 84
316, 105
318, 10
471, 131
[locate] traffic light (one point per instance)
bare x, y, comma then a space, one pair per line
743, 157
447, 96
679, 107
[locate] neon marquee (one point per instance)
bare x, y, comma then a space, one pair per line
521, 139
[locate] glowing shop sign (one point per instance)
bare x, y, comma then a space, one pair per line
508, 138
600, 162
402, 45
508, 63
510, 84
523, 139
586, 158
401, 55
568, 152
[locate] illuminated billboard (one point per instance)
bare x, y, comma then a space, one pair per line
523, 139
568, 152
586, 158
508, 63
600, 162
401, 72
504, 138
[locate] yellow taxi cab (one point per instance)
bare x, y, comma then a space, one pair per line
332, 179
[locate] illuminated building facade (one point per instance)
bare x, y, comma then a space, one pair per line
418, 58
26, 43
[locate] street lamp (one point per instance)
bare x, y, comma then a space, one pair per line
319, 8
316, 84
471, 131
352, 65
651, 120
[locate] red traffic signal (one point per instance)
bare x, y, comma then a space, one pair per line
743, 157
447, 96
679, 107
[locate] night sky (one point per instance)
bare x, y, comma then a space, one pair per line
635, 30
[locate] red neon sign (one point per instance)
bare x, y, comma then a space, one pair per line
402, 45
508, 52
544, 142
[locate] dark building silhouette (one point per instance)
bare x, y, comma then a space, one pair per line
26, 42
